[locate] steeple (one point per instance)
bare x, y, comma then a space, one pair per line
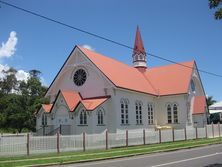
139, 54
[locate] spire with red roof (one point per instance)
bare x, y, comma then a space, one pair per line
139, 54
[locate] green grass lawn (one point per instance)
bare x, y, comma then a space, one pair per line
74, 157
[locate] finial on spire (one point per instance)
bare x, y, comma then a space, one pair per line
139, 54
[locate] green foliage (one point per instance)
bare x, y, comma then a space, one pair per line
215, 4
19, 100
215, 118
210, 101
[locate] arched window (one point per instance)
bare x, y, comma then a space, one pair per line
44, 119
192, 85
150, 114
124, 111
83, 117
100, 117
172, 113
137, 57
138, 107
175, 113
169, 114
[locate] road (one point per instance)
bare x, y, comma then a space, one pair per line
208, 156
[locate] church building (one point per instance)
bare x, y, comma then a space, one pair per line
92, 93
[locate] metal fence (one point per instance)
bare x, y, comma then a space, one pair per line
26, 144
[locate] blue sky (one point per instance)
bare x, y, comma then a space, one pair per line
176, 30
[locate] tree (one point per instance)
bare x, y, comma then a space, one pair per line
19, 100
214, 4
214, 118
32, 93
210, 101
9, 82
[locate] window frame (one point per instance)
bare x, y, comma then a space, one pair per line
124, 112
150, 114
83, 117
172, 113
169, 114
100, 117
175, 113
44, 120
139, 113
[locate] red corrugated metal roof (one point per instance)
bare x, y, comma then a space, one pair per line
199, 106
72, 99
91, 104
47, 107
170, 79
164, 80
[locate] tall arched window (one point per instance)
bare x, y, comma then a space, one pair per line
175, 113
100, 117
169, 114
83, 117
138, 107
44, 119
150, 114
192, 85
172, 113
124, 112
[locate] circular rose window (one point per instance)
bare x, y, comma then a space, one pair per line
79, 77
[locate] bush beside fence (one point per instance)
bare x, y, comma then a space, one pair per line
28, 144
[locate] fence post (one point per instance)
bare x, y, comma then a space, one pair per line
84, 141
144, 136
106, 139
219, 128
127, 138
185, 133
160, 140
206, 131
196, 133
173, 134
213, 130
58, 143
28, 142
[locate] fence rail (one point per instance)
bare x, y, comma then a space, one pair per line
27, 144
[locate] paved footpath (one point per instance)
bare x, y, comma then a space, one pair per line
208, 156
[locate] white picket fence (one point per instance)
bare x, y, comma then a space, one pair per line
28, 144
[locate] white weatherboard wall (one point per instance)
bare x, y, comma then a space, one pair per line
132, 98
96, 82
200, 120
92, 126
161, 105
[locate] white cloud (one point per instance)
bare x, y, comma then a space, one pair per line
88, 47
43, 81
22, 75
8, 49
2, 68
